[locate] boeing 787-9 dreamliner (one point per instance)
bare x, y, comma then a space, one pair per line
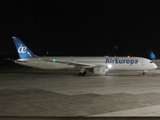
96, 65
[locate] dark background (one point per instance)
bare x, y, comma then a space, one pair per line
81, 27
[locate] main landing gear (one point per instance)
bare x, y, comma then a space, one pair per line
82, 72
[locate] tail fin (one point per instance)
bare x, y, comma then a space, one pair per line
22, 49
152, 56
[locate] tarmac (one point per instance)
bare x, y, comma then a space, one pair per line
33, 92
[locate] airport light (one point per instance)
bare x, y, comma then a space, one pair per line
54, 60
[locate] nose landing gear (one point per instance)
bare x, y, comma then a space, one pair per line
144, 73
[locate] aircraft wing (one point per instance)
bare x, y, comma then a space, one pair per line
85, 65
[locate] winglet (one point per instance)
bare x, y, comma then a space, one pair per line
22, 49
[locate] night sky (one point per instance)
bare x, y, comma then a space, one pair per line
81, 27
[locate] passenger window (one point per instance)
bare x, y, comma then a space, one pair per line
151, 62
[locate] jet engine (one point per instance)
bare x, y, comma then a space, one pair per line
101, 70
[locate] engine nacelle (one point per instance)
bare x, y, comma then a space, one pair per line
101, 70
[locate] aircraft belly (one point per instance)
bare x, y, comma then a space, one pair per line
126, 67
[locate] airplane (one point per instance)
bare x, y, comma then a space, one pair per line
96, 65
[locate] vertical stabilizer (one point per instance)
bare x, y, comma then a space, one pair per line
22, 49
152, 55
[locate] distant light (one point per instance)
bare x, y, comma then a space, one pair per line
109, 66
54, 60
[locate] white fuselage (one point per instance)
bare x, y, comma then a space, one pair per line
118, 63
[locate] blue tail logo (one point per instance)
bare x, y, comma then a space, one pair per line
22, 49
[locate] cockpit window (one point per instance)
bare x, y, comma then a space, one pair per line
151, 62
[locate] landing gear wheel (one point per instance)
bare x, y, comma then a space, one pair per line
106, 73
82, 74
79, 74
143, 73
